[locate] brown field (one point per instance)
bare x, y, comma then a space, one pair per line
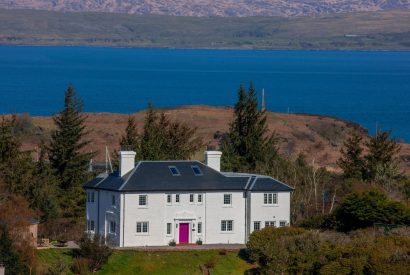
318, 137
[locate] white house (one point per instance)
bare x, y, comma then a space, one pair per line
154, 202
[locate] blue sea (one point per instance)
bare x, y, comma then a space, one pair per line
371, 88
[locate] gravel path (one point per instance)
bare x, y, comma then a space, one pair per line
185, 247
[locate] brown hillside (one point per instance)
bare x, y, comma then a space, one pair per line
318, 137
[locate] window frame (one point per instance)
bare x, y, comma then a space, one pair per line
270, 199
199, 228
173, 167
199, 198
177, 198
230, 200
191, 198
139, 201
168, 199
225, 224
142, 225
169, 229
199, 171
256, 225
112, 227
113, 200
270, 223
284, 223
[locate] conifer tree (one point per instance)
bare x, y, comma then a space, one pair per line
248, 145
163, 139
9, 257
67, 157
382, 159
129, 141
351, 161
67, 142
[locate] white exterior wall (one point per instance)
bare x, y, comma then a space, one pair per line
216, 211
262, 213
107, 213
126, 213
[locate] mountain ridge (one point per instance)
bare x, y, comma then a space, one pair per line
206, 8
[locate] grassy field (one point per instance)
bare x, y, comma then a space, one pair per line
376, 30
137, 262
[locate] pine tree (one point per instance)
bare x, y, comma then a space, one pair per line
382, 159
351, 161
129, 141
67, 157
163, 139
9, 257
248, 146
67, 143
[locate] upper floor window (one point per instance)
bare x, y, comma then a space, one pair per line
199, 198
270, 224
270, 198
169, 198
197, 170
227, 199
174, 170
142, 227
142, 200
177, 198
256, 226
90, 196
191, 197
112, 227
113, 200
227, 226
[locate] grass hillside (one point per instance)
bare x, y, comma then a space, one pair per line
367, 30
319, 138
139, 262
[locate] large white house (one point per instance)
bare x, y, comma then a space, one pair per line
154, 202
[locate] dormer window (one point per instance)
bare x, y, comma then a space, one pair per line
174, 170
197, 170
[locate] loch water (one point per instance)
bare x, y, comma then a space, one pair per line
368, 87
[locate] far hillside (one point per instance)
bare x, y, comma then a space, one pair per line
382, 30
319, 138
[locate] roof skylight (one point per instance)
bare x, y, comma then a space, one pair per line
174, 170
197, 170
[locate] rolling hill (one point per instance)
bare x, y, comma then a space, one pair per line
210, 7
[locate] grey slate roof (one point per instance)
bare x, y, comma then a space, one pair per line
152, 176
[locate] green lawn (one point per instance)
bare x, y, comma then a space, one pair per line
164, 262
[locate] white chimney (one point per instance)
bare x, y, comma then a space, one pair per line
127, 162
213, 159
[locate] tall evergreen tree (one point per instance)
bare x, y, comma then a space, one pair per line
9, 257
382, 159
163, 139
67, 157
67, 143
248, 145
129, 141
351, 161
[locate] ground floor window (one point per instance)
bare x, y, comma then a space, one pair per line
112, 227
90, 225
270, 224
169, 228
142, 227
200, 228
256, 226
227, 226
282, 223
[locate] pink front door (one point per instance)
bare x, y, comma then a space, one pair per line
183, 232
